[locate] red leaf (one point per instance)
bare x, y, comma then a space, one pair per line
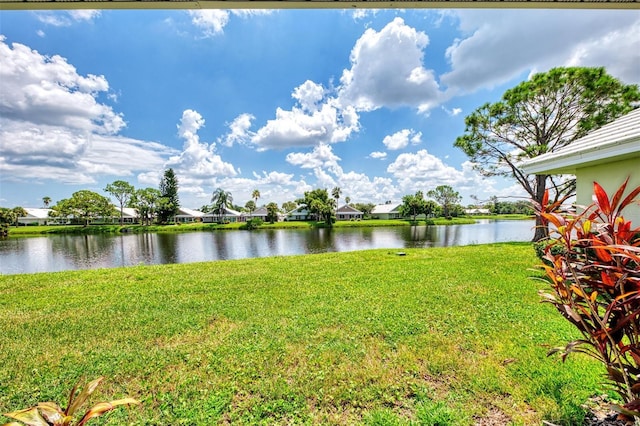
618, 195
629, 198
545, 199
603, 199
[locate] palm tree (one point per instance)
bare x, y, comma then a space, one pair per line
335, 193
255, 195
46, 201
220, 200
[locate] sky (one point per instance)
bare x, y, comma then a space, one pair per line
282, 101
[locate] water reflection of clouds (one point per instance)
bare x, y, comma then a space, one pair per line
57, 253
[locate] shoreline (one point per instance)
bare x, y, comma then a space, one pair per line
44, 230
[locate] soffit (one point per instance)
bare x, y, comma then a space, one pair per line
316, 4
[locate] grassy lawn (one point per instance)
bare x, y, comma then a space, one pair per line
438, 336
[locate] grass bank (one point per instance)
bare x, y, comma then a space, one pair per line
25, 231
454, 335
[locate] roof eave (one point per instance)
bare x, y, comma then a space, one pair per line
569, 162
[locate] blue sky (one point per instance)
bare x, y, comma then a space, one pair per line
283, 101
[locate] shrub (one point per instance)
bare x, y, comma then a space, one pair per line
553, 246
595, 279
50, 414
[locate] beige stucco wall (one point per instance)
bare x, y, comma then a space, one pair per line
610, 176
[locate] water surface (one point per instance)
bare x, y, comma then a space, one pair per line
71, 252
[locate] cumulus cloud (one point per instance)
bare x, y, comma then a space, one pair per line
423, 171
197, 159
499, 45
378, 155
316, 119
238, 131
387, 71
402, 139
52, 125
322, 156
213, 21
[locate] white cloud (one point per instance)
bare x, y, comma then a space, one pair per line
499, 45
452, 112
213, 21
401, 139
238, 130
52, 126
378, 155
424, 171
198, 160
66, 18
49, 91
387, 71
321, 156
314, 121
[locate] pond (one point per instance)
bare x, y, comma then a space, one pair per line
71, 252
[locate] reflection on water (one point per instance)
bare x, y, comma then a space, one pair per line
66, 252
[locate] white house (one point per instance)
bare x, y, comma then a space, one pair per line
300, 213
386, 211
347, 212
477, 211
36, 216
186, 215
229, 215
608, 155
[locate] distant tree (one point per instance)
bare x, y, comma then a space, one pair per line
365, 208
431, 208
122, 191
170, 203
318, 203
19, 212
287, 206
250, 206
413, 205
335, 193
541, 115
220, 200
85, 206
446, 196
347, 200
7, 217
272, 212
146, 202
46, 201
255, 195
205, 208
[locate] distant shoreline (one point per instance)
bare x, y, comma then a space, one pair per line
43, 230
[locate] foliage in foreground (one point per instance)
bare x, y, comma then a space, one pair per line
50, 413
596, 286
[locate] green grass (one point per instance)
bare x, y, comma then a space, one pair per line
439, 336
24, 231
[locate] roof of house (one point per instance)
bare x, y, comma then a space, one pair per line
385, 208
262, 211
347, 209
615, 141
227, 212
301, 210
128, 211
37, 213
183, 211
